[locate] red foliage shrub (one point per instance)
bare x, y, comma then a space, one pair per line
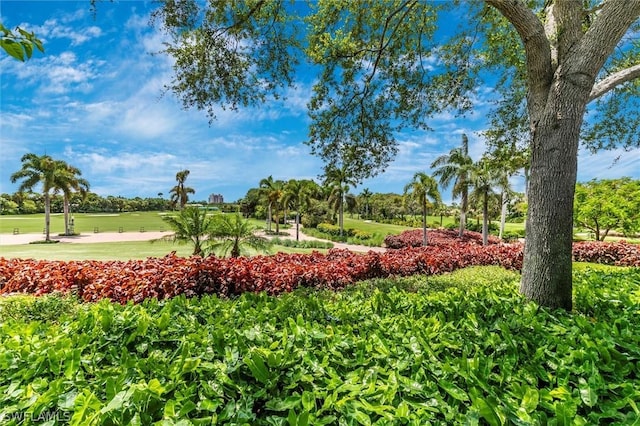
435, 237
619, 253
160, 278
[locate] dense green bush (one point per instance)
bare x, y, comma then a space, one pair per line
463, 348
49, 307
288, 242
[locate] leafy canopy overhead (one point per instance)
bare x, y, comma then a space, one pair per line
381, 67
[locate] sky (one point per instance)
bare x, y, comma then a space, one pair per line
96, 100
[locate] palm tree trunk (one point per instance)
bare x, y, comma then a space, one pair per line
340, 215
297, 225
463, 213
485, 220
47, 216
269, 218
503, 214
65, 209
424, 225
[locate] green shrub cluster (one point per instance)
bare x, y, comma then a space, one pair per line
463, 348
48, 308
288, 242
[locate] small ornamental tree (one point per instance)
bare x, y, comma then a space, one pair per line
605, 205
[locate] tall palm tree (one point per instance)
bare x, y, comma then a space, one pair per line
455, 167
231, 233
298, 194
424, 189
365, 195
338, 181
191, 225
67, 182
42, 170
273, 191
180, 192
484, 179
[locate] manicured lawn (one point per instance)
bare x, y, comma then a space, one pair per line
110, 251
85, 222
373, 227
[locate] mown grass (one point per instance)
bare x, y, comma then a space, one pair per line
86, 222
123, 250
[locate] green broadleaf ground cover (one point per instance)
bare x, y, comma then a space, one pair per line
463, 348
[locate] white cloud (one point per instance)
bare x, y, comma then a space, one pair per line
59, 28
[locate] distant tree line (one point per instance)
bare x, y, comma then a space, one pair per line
32, 202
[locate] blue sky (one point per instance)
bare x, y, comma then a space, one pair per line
95, 99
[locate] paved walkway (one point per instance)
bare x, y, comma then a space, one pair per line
99, 237
304, 237
108, 237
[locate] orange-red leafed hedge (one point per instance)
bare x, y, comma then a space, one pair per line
172, 275
165, 277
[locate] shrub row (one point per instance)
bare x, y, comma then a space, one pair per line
619, 253
437, 237
166, 277
171, 275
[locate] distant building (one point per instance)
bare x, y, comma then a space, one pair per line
216, 199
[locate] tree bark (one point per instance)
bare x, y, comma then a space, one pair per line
546, 271
558, 95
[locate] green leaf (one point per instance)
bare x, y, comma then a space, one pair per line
530, 400
587, 393
190, 365
257, 366
308, 401
362, 418
486, 410
565, 412
118, 401
156, 387
453, 390
12, 48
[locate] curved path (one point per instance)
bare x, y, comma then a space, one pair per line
108, 237
304, 237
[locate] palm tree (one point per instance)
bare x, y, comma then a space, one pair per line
424, 189
191, 225
454, 168
298, 193
483, 179
273, 191
338, 182
232, 233
365, 195
40, 170
180, 192
70, 180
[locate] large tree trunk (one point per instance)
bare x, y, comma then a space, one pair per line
546, 272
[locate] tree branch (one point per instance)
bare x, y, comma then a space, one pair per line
614, 80
537, 48
608, 28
